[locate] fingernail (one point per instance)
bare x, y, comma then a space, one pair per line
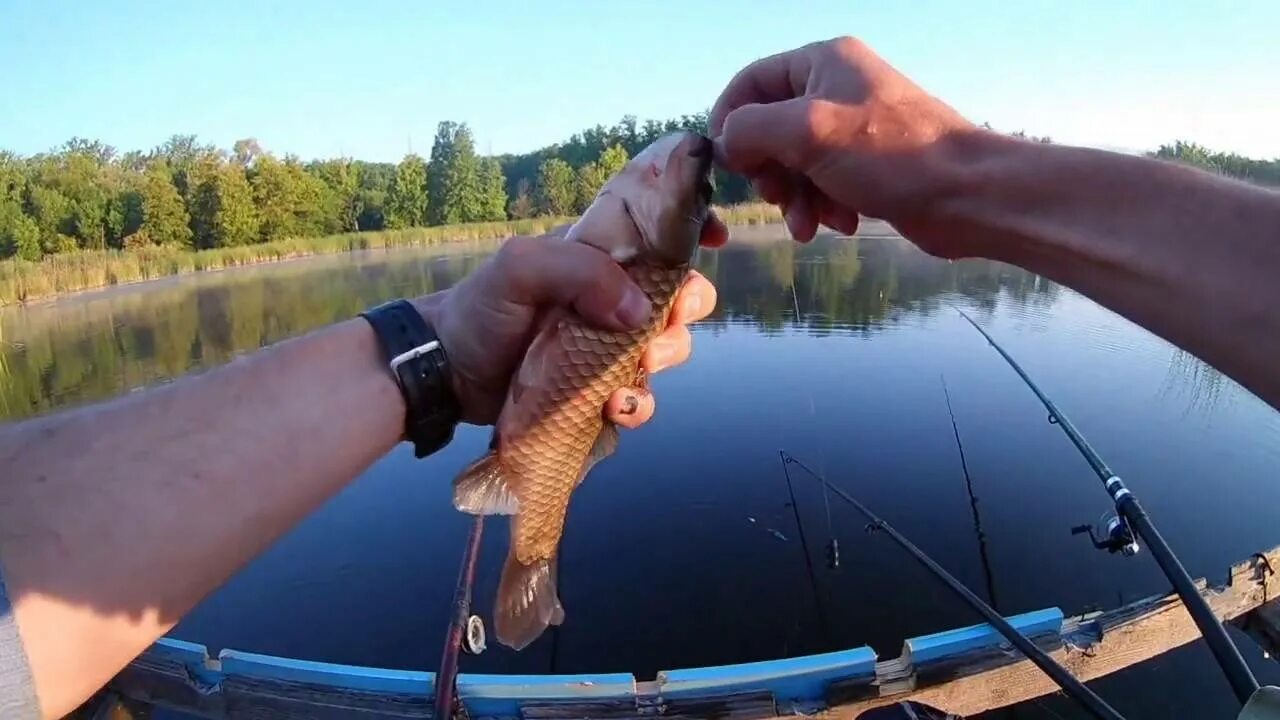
634, 308
630, 404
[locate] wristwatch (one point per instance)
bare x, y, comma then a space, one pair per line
420, 366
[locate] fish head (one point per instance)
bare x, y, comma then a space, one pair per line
656, 205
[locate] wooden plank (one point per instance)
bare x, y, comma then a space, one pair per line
1263, 625
1095, 646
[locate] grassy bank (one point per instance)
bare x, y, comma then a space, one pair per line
22, 281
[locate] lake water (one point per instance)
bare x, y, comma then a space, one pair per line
682, 550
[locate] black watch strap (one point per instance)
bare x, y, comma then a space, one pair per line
421, 368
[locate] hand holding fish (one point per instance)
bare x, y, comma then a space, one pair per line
488, 319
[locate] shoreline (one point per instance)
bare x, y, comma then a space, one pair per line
25, 283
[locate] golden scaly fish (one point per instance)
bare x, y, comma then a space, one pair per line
551, 430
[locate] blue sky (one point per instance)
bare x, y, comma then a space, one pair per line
366, 79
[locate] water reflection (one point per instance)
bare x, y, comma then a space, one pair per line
683, 549
96, 346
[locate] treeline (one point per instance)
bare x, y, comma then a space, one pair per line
87, 196
1261, 172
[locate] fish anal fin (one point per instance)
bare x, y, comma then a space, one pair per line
527, 602
484, 488
606, 443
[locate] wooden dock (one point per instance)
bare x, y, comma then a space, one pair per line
964, 671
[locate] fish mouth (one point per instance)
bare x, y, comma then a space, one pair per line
702, 148
704, 152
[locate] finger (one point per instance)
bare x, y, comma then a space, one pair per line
629, 407
756, 135
801, 215
669, 349
541, 270
773, 184
714, 232
838, 218
777, 77
694, 301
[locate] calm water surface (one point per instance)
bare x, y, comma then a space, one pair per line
682, 549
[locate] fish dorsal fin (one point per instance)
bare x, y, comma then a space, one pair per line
484, 488
606, 443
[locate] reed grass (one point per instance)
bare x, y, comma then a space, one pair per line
22, 280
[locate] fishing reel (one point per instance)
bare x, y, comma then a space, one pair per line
473, 637
1111, 533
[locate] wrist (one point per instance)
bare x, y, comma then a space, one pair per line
416, 358
967, 180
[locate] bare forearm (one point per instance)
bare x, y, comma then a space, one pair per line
1188, 255
117, 519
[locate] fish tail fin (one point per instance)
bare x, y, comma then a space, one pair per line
527, 601
485, 488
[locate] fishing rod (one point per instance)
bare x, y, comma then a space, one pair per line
1131, 518
466, 631
1060, 675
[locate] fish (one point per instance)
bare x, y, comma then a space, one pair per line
551, 430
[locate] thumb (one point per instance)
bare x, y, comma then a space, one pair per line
757, 135
548, 269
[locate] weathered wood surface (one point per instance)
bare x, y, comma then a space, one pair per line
1096, 646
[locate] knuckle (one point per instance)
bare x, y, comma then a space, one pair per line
847, 46
514, 251
816, 120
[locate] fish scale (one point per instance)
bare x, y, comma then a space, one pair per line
590, 365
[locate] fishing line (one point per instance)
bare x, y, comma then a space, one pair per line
1068, 682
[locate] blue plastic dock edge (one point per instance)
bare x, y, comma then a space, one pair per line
790, 680
352, 677
501, 695
799, 679
928, 648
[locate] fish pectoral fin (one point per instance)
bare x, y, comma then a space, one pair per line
606, 443
527, 602
485, 489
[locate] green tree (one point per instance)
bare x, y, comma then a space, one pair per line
456, 192
51, 211
290, 202
164, 216
19, 234
556, 188
407, 200
588, 181
246, 151
612, 160
222, 210
344, 201
493, 190
438, 189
